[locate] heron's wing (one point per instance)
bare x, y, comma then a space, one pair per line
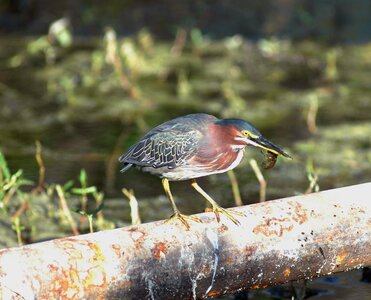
163, 149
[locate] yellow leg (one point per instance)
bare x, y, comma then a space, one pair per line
177, 215
216, 207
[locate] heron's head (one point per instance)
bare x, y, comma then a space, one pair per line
246, 134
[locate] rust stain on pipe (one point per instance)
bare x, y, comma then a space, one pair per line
159, 250
117, 249
300, 214
340, 258
282, 240
277, 226
287, 272
81, 274
274, 226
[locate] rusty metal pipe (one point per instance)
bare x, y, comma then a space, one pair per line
278, 241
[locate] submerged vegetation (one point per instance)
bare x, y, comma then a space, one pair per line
43, 212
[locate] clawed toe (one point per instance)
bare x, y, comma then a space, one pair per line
182, 218
228, 213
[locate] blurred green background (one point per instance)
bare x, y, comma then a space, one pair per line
86, 79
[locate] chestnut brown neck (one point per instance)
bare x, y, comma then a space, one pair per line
224, 135
216, 151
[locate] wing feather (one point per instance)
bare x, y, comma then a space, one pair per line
163, 149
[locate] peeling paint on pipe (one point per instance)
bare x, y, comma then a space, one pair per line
278, 241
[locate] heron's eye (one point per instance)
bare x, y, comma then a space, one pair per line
246, 133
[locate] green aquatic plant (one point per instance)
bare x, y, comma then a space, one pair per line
84, 191
10, 183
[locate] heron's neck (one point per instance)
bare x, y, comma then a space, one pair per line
221, 134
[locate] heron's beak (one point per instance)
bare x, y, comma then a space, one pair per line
264, 143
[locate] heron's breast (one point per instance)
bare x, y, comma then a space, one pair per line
218, 161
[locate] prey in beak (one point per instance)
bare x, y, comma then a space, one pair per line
267, 145
270, 151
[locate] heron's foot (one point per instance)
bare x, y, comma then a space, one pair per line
182, 218
216, 209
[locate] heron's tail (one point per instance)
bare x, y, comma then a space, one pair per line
126, 167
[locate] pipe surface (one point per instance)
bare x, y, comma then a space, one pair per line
278, 241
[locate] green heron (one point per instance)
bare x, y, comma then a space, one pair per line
193, 146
